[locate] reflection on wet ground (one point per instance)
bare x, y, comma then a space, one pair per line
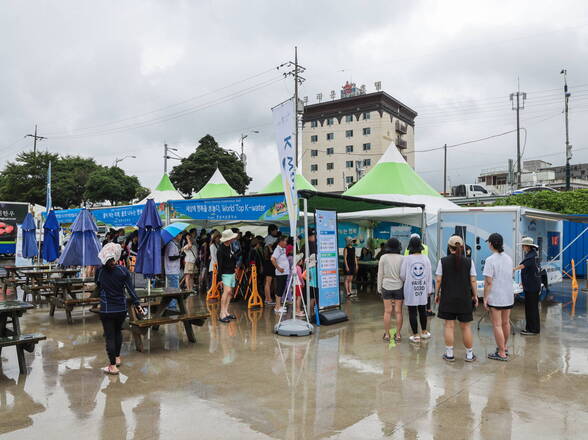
241, 381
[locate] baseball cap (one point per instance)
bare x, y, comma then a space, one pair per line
455, 241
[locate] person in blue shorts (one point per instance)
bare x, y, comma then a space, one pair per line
226, 269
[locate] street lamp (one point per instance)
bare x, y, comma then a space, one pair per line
117, 160
243, 137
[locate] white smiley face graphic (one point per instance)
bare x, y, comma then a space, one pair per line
418, 270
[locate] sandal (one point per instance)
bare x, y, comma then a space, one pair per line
497, 357
108, 370
397, 337
225, 319
231, 316
386, 337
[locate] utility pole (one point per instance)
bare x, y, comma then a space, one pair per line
35, 137
520, 105
567, 94
295, 72
164, 158
445, 170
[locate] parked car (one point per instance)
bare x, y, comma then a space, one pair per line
533, 189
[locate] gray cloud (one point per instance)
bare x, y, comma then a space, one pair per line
74, 64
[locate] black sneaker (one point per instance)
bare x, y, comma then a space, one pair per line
430, 313
528, 333
448, 358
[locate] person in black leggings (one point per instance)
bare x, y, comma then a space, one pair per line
111, 280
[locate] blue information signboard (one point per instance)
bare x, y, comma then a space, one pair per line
327, 258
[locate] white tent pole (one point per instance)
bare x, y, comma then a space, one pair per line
307, 250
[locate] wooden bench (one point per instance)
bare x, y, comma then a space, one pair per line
36, 292
22, 343
8, 282
68, 305
139, 327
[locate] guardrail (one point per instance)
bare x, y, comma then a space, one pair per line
468, 201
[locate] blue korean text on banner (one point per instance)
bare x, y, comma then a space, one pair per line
327, 258
117, 216
265, 208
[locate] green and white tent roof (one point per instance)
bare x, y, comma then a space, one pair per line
217, 186
276, 186
163, 192
393, 179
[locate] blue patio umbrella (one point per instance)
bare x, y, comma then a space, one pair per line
50, 251
172, 231
83, 246
149, 250
29, 241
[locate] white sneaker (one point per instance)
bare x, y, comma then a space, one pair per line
425, 335
281, 310
415, 339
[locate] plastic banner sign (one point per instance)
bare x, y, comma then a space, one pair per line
262, 208
327, 258
11, 214
117, 216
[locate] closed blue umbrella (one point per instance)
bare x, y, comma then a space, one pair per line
149, 249
29, 241
51, 229
83, 246
172, 231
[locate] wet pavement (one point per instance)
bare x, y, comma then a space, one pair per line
242, 381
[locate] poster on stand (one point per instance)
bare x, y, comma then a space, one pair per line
327, 258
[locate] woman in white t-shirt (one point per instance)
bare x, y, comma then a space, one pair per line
390, 287
214, 244
417, 275
499, 293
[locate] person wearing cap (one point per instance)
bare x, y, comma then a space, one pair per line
456, 294
350, 264
227, 262
498, 293
282, 271
531, 280
111, 281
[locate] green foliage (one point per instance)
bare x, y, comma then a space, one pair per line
142, 192
570, 202
74, 180
195, 171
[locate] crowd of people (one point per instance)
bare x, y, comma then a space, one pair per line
408, 278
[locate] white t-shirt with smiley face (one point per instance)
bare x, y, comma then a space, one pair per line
417, 275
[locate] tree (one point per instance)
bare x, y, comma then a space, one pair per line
141, 193
69, 179
25, 179
111, 184
570, 202
194, 171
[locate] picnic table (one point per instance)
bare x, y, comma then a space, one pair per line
37, 281
67, 293
10, 313
157, 301
13, 278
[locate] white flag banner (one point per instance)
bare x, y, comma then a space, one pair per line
284, 116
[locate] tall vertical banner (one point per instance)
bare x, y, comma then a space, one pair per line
284, 116
327, 258
48, 200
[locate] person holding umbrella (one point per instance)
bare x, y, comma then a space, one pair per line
111, 280
227, 263
531, 280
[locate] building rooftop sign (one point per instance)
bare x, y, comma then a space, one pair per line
350, 89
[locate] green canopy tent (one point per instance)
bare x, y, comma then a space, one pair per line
216, 187
163, 192
276, 186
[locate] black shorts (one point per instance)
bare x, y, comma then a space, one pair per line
351, 270
501, 307
268, 269
397, 294
461, 317
281, 282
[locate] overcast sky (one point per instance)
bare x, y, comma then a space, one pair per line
107, 79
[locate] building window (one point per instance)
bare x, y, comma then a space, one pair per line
330, 165
348, 133
330, 151
330, 136
313, 153
349, 179
348, 118
330, 121
314, 182
367, 162
366, 115
314, 167
330, 180
367, 131
349, 164
367, 147
349, 149
314, 138
314, 124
